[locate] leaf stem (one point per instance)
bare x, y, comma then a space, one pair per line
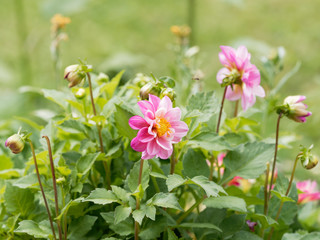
41, 188
186, 214
221, 107
136, 224
54, 185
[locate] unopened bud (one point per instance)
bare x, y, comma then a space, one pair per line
140, 80
168, 92
74, 75
308, 160
80, 93
149, 88
102, 77
294, 109
60, 180
15, 143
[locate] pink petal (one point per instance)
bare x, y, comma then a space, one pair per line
149, 116
223, 73
165, 103
144, 136
155, 101
137, 122
146, 156
164, 143
137, 145
180, 128
248, 99
152, 147
224, 61
235, 94
161, 112
164, 154
150, 130
229, 55
259, 91
301, 98
173, 114
242, 57
145, 106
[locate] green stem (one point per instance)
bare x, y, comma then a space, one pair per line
265, 196
155, 184
211, 168
172, 161
275, 155
221, 108
287, 193
186, 214
54, 185
136, 224
235, 113
41, 188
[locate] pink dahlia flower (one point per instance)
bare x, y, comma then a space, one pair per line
309, 191
246, 76
158, 129
297, 110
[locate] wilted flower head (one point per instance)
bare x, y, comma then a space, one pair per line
308, 189
58, 21
241, 77
308, 160
294, 109
158, 129
16, 143
75, 74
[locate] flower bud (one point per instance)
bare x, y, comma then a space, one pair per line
74, 75
308, 160
15, 143
102, 77
294, 109
149, 88
80, 93
140, 80
60, 180
168, 92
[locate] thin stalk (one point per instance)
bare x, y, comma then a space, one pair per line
65, 230
265, 196
186, 214
211, 168
85, 109
136, 224
275, 155
235, 113
221, 107
287, 193
172, 161
155, 184
54, 185
42, 191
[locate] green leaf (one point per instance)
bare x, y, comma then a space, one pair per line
158, 175
86, 162
73, 126
123, 228
121, 194
5, 163
199, 225
138, 215
153, 229
245, 235
28, 181
150, 211
121, 213
57, 97
297, 236
80, 227
110, 87
194, 164
133, 177
18, 200
33, 229
166, 200
265, 221
122, 117
204, 102
209, 141
232, 224
30, 122
247, 161
174, 181
282, 197
230, 202
71, 203
102, 196
171, 235
211, 188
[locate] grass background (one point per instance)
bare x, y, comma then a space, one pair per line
128, 34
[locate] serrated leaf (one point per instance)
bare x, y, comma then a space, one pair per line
265, 221
247, 160
174, 181
80, 227
194, 164
57, 97
85, 163
122, 117
102, 196
150, 211
121, 213
209, 141
121, 194
282, 197
199, 225
166, 200
28, 181
123, 228
230, 202
138, 215
211, 188
133, 177
73, 126
204, 102
158, 175
33, 229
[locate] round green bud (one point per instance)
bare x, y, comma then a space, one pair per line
169, 92
15, 143
149, 88
80, 93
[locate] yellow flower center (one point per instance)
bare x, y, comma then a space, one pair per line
162, 127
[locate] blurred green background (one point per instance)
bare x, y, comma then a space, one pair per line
135, 35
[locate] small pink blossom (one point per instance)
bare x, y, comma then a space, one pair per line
158, 129
237, 64
297, 110
251, 225
309, 189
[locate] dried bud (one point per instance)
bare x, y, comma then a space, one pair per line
168, 92
149, 88
294, 109
308, 160
16, 143
74, 74
80, 93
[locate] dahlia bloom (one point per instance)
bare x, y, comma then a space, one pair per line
297, 111
158, 129
309, 191
245, 76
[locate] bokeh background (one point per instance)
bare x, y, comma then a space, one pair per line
135, 35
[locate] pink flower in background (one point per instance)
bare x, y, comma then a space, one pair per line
251, 225
309, 191
297, 110
236, 181
246, 76
158, 129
